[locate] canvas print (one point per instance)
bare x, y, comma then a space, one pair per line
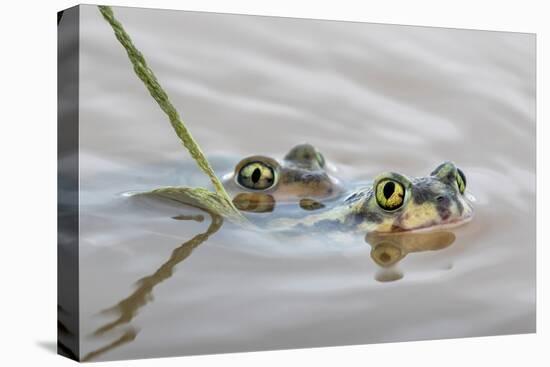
233, 183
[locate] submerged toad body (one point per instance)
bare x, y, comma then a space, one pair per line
392, 203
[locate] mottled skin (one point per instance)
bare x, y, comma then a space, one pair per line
301, 174
428, 202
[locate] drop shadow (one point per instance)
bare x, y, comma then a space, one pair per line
48, 345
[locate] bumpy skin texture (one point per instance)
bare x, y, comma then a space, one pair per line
429, 202
301, 174
433, 201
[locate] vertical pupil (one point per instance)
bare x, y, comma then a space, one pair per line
256, 175
389, 188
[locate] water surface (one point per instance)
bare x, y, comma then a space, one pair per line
372, 98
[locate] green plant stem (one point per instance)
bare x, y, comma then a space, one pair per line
147, 76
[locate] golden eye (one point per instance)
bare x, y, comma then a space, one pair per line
390, 194
256, 176
461, 181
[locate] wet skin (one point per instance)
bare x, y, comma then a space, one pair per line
392, 203
258, 182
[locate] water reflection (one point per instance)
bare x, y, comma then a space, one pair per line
265, 203
389, 249
254, 202
127, 308
128, 336
311, 204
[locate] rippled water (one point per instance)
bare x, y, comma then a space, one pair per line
372, 98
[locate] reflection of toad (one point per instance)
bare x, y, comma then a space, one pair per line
389, 249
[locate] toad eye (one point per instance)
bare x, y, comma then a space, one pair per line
256, 176
390, 194
461, 181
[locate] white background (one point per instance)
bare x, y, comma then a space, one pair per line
28, 182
